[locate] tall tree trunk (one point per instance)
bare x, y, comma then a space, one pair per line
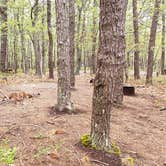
78, 64
50, 49
94, 39
111, 46
43, 43
83, 36
72, 43
4, 36
163, 41
120, 57
152, 40
136, 38
15, 44
64, 94
35, 39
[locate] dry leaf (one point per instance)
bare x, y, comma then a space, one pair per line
54, 155
59, 132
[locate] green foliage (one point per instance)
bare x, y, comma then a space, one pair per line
115, 149
86, 141
131, 161
42, 151
7, 154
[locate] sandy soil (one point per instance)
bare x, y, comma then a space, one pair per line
138, 127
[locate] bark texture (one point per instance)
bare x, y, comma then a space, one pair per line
63, 64
4, 36
94, 41
119, 39
50, 49
136, 39
111, 46
72, 43
152, 40
163, 41
36, 40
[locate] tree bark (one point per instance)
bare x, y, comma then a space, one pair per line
136, 39
120, 57
111, 46
72, 43
50, 49
94, 41
78, 66
43, 43
4, 36
152, 39
63, 64
163, 41
35, 39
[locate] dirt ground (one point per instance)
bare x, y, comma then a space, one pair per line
138, 127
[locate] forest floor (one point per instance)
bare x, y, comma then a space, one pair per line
138, 127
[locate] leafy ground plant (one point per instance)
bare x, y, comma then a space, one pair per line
7, 155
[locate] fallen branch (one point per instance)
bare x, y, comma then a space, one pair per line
163, 109
99, 162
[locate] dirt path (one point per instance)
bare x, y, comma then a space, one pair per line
138, 127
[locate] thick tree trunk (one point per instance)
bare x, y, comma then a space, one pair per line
152, 39
163, 41
111, 46
120, 57
136, 38
72, 43
4, 36
50, 49
64, 95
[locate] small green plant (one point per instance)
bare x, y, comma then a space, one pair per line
7, 155
86, 141
115, 149
131, 161
40, 136
42, 151
45, 150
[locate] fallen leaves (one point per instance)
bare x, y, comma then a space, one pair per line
54, 155
60, 132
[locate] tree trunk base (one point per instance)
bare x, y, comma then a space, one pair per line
100, 157
64, 109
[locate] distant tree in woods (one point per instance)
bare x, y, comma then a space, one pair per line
136, 39
4, 36
94, 40
63, 61
111, 46
163, 43
35, 39
152, 40
72, 43
50, 49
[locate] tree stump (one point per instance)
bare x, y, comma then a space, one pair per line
164, 71
129, 90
